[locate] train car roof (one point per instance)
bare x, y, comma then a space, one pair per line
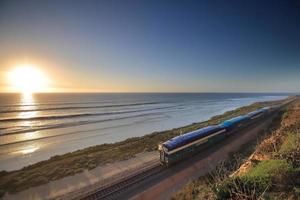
253, 113
234, 121
265, 108
250, 114
191, 136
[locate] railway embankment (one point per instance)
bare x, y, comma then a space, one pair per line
268, 168
87, 159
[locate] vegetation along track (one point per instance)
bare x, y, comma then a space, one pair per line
113, 189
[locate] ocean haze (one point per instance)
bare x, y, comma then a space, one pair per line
34, 128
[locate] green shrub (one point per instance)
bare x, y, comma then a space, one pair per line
242, 188
297, 192
269, 168
255, 182
198, 189
40, 180
290, 150
289, 144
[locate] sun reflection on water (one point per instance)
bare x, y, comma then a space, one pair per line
28, 99
28, 149
27, 115
30, 135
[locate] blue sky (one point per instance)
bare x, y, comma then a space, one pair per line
156, 46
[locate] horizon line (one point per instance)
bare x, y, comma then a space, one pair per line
237, 92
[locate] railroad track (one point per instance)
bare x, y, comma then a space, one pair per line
114, 189
111, 190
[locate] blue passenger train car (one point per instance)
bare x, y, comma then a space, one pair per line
235, 122
186, 145
190, 143
259, 113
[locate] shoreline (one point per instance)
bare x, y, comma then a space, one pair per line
64, 139
72, 163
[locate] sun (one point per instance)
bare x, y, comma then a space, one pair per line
27, 79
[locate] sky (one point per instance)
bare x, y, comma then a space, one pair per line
154, 46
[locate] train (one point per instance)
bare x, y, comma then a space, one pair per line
188, 144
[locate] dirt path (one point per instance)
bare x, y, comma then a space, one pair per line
197, 166
73, 185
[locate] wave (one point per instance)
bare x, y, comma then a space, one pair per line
79, 107
63, 103
71, 125
79, 115
51, 104
11, 130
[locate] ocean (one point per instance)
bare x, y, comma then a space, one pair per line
35, 127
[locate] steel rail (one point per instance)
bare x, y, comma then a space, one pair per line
109, 191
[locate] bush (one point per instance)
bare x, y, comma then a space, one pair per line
198, 189
255, 182
242, 188
290, 150
297, 192
40, 180
269, 168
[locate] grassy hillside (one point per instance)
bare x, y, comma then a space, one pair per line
71, 163
272, 171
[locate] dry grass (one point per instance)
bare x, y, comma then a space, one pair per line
274, 169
